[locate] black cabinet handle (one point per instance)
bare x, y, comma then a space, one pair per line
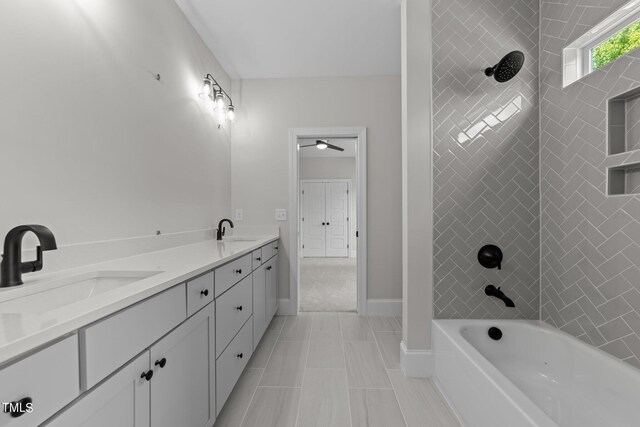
327, 223
269, 268
276, 248
258, 259
239, 271
162, 362
205, 292
19, 408
239, 308
322, 224
147, 375
239, 356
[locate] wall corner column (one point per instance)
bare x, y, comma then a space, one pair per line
417, 189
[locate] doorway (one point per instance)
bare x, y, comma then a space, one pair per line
328, 225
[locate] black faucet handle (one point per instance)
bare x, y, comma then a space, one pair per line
32, 266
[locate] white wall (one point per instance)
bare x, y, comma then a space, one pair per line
92, 145
335, 168
260, 158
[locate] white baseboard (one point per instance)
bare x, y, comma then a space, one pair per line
384, 307
283, 307
416, 363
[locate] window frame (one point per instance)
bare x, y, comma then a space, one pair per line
577, 57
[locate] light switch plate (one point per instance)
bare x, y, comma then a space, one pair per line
239, 214
281, 214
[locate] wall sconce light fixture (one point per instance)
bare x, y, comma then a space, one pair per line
212, 91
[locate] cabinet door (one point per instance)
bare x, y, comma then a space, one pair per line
122, 400
272, 288
259, 304
183, 374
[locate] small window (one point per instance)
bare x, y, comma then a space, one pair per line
611, 39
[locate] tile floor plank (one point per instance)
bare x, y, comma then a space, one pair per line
355, 328
286, 364
273, 407
383, 324
297, 328
263, 351
239, 399
326, 350
421, 402
389, 345
365, 368
325, 399
375, 408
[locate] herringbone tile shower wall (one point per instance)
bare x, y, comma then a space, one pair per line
590, 242
486, 147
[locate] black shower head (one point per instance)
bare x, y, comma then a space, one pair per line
507, 68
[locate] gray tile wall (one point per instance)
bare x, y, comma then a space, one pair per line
486, 148
589, 242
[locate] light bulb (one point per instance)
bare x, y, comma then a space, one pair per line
218, 101
231, 113
321, 145
206, 87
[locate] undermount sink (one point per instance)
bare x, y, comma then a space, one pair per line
72, 290
239, 239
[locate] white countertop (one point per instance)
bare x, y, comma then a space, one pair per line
23, 329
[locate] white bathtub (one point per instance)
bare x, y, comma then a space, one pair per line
535, 375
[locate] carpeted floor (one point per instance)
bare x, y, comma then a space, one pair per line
328, 284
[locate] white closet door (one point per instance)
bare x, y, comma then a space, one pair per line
313, 226
337, 205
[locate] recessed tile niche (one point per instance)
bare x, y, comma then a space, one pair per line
624, 122
623, 136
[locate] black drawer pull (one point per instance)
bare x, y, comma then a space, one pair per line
239, 356
258, 259
269, 268
19, 408
239, 308
276, 248
162, 362
239, 271
147, 375
205, 292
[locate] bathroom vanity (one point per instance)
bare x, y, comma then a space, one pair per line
158, 339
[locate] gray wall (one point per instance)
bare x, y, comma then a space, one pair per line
268, 108
485, 183
590, 253
92, 145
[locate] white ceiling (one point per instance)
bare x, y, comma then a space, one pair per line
349, 146
299, 38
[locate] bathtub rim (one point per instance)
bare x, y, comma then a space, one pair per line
509, 391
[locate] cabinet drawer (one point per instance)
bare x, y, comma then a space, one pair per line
256, 258
199, 293
231, 363
49, 377
275, 247
233, 309
111, 342
230, 274
267, 252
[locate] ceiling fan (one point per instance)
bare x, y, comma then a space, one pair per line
323, 145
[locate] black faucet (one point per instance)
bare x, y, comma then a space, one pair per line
492, 291
221, 229
12, 267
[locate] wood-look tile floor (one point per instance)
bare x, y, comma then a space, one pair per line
333, 370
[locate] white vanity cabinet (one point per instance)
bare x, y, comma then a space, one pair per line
168, 385
184, 371
169, 360
265, 296
122, 400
